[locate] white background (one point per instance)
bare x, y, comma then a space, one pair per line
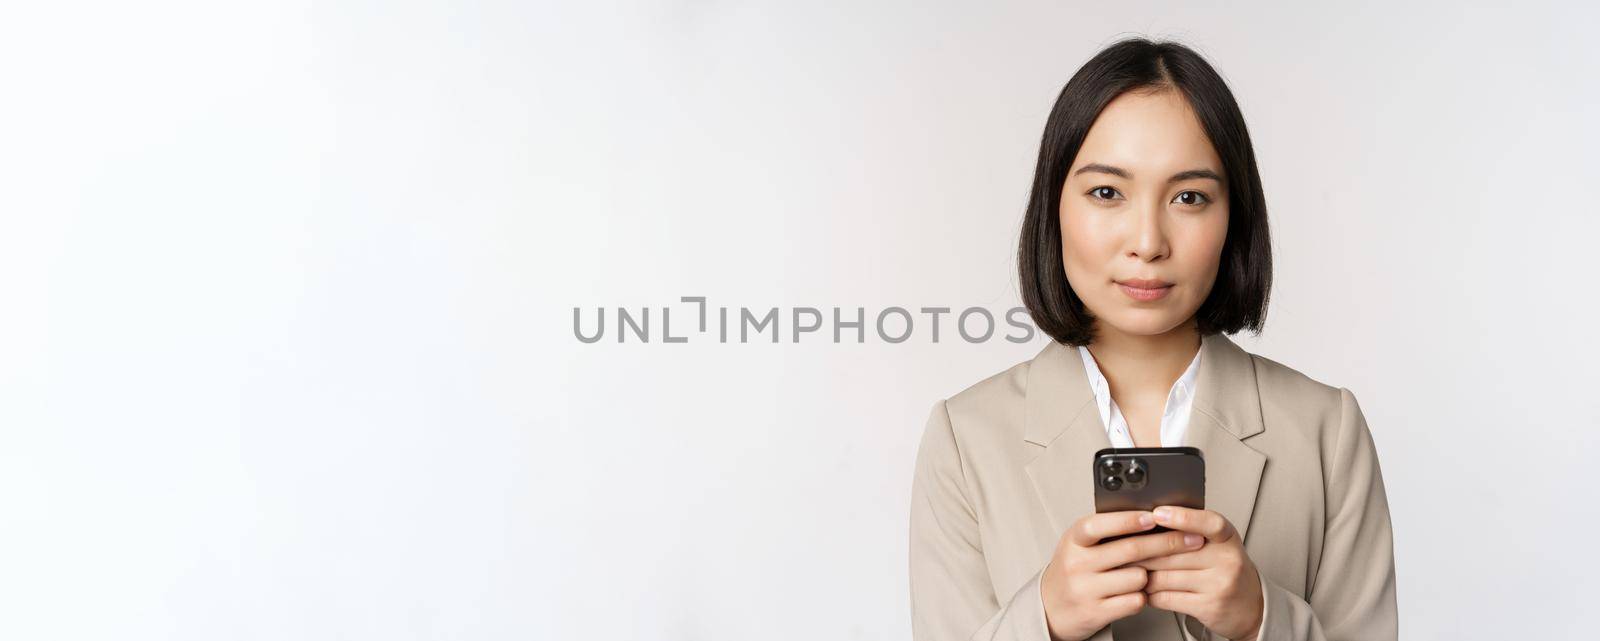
286, 349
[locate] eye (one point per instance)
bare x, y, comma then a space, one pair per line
1195, 198
1104, 193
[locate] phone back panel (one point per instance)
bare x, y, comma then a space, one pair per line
1170, 476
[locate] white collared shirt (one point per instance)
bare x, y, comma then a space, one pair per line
1174, 419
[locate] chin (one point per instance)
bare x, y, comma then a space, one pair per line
1143, 322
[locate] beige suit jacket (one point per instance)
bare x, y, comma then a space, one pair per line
1004, 468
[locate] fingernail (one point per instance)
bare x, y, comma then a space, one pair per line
1163, 514
1193, 540
1145, 520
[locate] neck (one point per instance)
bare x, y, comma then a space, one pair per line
1140, 363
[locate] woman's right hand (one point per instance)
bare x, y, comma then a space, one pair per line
1088, 584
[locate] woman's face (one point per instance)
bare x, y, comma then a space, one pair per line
1144, 200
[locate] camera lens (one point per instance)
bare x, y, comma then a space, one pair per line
1112, 483
1135, 473
1111, 468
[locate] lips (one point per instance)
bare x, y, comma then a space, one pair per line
1144, 290
1145, 283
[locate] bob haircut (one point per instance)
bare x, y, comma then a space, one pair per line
1238, 299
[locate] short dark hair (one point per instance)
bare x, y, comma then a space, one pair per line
1238, 300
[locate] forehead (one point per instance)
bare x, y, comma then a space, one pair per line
1151, 135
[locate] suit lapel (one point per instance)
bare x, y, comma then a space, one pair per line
1064, 423
1061, 417
1227, 410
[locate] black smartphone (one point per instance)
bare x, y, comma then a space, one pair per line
1141, 478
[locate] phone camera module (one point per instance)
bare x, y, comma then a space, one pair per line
1135, 473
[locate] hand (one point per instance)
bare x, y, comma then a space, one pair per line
1216, 584
1088, 584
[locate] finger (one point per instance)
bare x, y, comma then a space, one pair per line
1119, 581
1090, 529
1200, 559
1190, 603
1206, 523
1144, 546
1122, 605
1179, 580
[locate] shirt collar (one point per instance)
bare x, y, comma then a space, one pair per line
1185, 384
1183, 388
1096, 380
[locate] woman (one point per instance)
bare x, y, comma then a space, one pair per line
1145, 243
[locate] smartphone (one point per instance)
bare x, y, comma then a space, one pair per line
1141, 478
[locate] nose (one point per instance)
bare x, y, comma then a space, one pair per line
1150, 234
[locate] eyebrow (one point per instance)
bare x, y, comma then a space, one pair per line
1181, 176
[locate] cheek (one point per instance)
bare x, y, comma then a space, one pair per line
1083, 245
1205, 247
1215, 234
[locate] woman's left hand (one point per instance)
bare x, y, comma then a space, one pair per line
1216, 584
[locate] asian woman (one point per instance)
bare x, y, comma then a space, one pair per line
1144, 244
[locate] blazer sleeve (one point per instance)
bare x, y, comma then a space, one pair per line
1353, 594
952, 597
